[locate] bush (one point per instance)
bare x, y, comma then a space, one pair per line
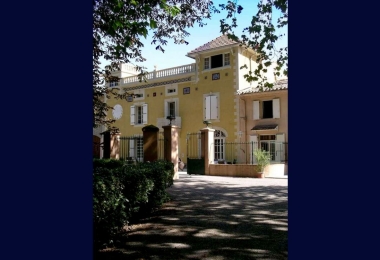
109, 206
122, 192
107, 163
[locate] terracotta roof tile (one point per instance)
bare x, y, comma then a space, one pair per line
280, 85
221, 41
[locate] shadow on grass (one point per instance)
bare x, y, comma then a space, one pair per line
212, 218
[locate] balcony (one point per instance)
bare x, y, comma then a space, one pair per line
162, 121
184, 70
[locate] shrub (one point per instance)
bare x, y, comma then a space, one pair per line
262, 158
109, 206
122, 192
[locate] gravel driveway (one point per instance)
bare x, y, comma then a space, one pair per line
213, 218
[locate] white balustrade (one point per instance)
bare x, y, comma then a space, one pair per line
160, 73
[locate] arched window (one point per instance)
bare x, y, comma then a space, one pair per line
219, 149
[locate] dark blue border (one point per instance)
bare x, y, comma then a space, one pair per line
332, 147
46, 130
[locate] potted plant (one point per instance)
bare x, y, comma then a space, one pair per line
263, 160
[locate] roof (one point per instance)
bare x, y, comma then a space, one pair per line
279, 85
265, 127
218, 42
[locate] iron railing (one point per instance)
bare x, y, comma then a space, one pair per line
242, 152
193, 143
131, 148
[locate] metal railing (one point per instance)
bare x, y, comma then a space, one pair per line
242, 152
131, 148
193, 143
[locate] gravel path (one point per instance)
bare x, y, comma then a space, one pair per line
213, 218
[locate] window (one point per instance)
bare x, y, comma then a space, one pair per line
140, 149
171, 90
211, 107
207, 63
139, 114
114, 84
268, 109
226, 59
136, 150
171, 107
217, 61
219, 141
138, 95
275, 145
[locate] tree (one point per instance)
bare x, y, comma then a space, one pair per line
118, 26
261, 36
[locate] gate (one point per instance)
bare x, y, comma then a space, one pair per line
195, 163
131, 148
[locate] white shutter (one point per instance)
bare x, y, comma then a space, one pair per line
132, 115
176, 109
207, 107
280, 147
166, 109
132, 148
214, 107
256, 110
276, 108
145, 114
255, 145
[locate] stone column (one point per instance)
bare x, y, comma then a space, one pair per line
207, 147
171, 137
115, 146
150, 136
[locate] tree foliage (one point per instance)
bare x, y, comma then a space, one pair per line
261, 35
119, 25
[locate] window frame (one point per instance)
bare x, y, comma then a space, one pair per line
139, 113
166, 106
208, 60
171, 87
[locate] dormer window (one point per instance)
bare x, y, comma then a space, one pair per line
217, 61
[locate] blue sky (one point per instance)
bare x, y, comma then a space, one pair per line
175, 55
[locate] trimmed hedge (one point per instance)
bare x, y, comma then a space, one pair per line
122, 192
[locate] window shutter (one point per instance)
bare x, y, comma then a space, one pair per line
207, 107
145, 114
176, 109
132, 115
256, 110
166, 109
214, 107
276, 108
206, 63
132, 148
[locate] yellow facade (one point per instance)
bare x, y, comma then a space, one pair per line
188, 88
